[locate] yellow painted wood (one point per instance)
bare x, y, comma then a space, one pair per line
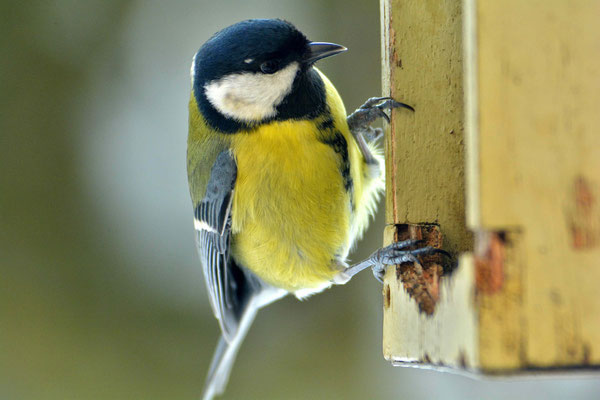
538, 150
532, 119
423, 67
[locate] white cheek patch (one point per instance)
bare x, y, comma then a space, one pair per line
251, 96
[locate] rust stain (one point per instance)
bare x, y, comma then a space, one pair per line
584, 219
422, 282
489, 263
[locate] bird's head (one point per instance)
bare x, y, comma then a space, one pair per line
256, 71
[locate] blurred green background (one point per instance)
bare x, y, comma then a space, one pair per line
101, 292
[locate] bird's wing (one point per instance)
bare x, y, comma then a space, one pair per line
227, 284
235, 292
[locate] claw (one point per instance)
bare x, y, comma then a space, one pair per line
397, 253
398, 104
379, 275
373, 101
360, 120
378, 272
391, 103
430, 250
384, 115
404, 244
394, 254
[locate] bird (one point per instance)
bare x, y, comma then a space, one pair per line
283, 182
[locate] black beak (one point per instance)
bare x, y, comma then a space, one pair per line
319, 50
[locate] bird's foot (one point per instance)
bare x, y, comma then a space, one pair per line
360, 120
394, 254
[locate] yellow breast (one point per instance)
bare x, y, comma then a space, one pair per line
290, 214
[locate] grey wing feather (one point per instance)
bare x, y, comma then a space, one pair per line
212, 219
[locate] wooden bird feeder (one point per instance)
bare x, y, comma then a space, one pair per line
500, 165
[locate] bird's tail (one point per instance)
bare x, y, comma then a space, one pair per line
224, 357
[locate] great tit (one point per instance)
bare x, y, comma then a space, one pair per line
282, 182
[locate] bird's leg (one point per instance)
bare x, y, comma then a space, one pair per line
396, 253
360, 121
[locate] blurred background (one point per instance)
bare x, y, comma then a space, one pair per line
101, 292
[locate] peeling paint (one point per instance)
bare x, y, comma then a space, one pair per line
422, 282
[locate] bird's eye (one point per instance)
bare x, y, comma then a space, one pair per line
269, 67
